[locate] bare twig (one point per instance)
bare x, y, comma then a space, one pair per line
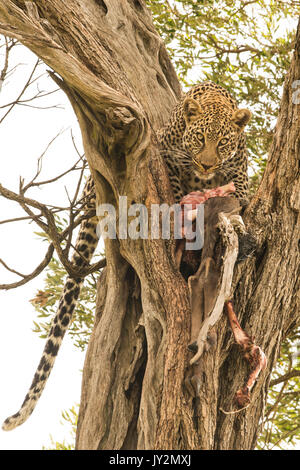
56, 178
28, 82
285, 435
11, 270
273, 409
9, 44
49, 228
72, 215
234, 411
34, 273
75, 146
275, 405
88, 270
16, 219
289, 375
32, 183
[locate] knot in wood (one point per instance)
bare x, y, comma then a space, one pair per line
120, 117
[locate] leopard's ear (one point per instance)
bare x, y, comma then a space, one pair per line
241, 117
191, 110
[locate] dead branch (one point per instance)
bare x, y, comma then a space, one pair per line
11, 270
28, 277
45, 220
27, 84
49, 228
34, 273
72, 214
9, 44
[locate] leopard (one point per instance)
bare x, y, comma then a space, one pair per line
204, 145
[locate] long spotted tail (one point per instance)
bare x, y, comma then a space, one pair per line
84, 250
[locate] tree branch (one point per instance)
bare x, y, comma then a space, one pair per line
289, 375
27, 84
34, 273
50, 229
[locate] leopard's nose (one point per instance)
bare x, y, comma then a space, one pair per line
206, 167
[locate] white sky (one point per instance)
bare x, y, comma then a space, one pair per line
24, 135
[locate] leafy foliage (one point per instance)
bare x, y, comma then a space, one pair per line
70, 418
282, 420
46, 302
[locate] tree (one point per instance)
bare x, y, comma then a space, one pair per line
132, 394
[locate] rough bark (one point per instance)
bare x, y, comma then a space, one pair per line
116, 72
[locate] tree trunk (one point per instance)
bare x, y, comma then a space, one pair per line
116, 72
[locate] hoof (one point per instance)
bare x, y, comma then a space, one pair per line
193, 347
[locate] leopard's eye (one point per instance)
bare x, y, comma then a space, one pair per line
223, 141
200, 137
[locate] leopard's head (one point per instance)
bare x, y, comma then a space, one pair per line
212, 134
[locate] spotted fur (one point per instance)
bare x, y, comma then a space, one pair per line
84, 249
204, 143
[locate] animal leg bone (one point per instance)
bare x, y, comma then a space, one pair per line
251, 352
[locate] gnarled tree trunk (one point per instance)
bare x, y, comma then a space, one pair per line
108, 58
